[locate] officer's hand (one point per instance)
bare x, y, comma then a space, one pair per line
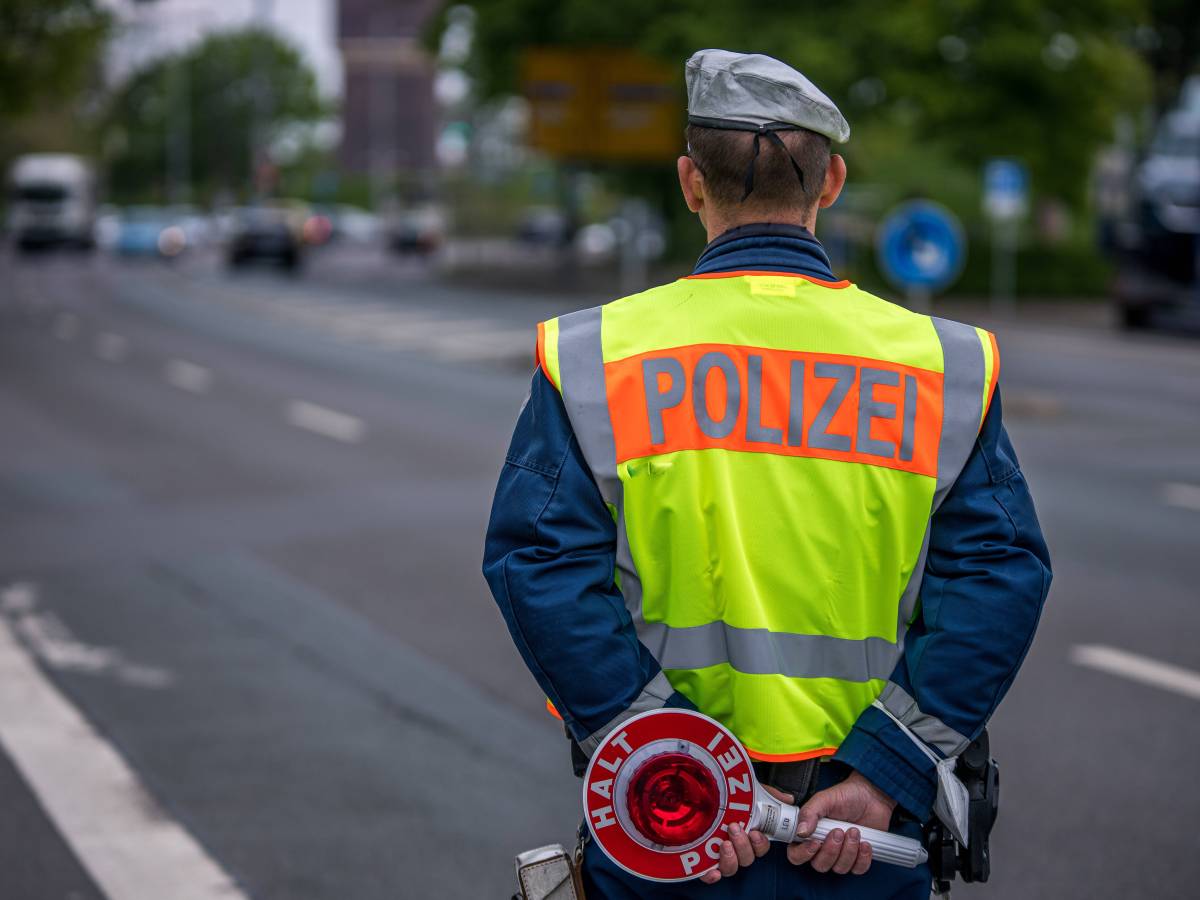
739, 851
855, 800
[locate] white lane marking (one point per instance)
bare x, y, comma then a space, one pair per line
324, 421
1185, 496
121, 835
65, 326
52, 642
111, 347
1138, 668
18, 598
187, 376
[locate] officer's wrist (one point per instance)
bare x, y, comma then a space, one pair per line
873, 789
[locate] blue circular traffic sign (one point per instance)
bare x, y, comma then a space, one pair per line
921, 246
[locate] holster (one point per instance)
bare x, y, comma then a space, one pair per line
981, 776
548, 873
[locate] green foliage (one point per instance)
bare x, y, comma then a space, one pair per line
230, 93
1171, 43
973, 78
47, 50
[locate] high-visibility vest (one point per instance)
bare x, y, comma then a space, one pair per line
772, 448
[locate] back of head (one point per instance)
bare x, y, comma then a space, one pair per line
726, 159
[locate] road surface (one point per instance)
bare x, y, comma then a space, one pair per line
242, 621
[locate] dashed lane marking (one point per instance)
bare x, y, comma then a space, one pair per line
65, 326
327, 422
127, 842
187, 376
51, 641
111, 347
1142, 669
1184, 496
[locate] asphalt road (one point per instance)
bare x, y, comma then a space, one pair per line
241, 522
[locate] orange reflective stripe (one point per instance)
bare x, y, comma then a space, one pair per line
822, 282
995, 374
790, 757
539, 355
550, 709
804, 404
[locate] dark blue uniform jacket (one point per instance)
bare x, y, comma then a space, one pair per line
551, 542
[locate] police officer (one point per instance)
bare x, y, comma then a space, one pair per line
761, 492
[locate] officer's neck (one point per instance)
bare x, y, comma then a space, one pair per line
717, 221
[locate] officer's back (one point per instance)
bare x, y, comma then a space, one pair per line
793, 481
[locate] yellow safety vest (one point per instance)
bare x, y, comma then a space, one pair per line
772, 448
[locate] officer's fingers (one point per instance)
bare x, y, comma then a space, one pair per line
760, 843
712, 876
728, 863
849, 855
741, 845
831, 848
864, 860
816, 807
803, 852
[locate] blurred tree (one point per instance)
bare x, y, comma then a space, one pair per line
230, 94
1172, 44
969, 79
48, 48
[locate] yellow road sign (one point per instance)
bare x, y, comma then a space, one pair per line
602, 105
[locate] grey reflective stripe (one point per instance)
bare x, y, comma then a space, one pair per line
932, 730
757, 651
585, 396
653, 696
581, 371
962, 401
962, 412
912, 590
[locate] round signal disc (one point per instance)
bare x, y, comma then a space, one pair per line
680, 768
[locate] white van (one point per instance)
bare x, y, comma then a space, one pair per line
52, 201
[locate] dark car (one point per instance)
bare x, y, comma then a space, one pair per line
1156, 238
264, 233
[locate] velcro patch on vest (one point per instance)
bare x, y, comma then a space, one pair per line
819, 405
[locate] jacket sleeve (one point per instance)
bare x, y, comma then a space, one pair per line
549, 559
985, 582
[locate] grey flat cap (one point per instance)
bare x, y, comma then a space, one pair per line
752, 92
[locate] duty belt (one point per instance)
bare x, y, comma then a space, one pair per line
796, 778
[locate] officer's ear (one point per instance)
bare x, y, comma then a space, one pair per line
835, 179
691, 182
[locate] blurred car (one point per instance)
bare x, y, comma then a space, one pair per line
147, 231
271, 232
544, 226
340, 223
417, 229
356, 225
1156, 235
197, 227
